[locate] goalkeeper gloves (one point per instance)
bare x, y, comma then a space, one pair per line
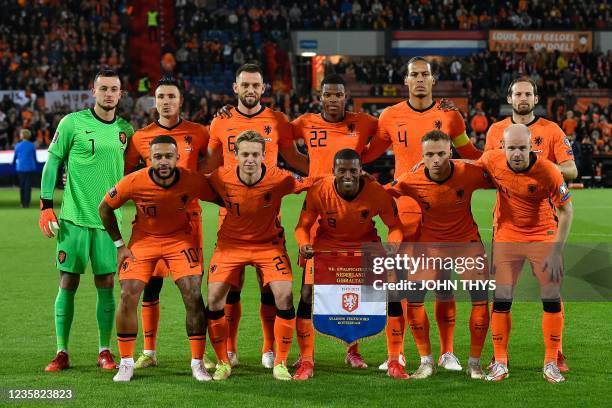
48, 221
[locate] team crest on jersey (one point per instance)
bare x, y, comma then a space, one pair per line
124, 266
350, 301
112, 193
188, 139
122, 137
267, 129
438, 124
538, 140
532, 188
61, 256
184, 199
212, 269
460, 193
364, 214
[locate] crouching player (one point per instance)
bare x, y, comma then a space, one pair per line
532, 223
345, 204
443, 189
252, 235
161, 232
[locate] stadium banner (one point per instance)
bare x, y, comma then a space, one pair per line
340, 42
18, 97
6, 161
68, 100
522, 41
444, 43
345, 304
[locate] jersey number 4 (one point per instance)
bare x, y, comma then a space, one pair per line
402, 137
318, 139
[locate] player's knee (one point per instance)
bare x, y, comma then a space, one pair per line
69, 281
394, 309
267, 298
284, 300
129, 296
105, 281
233, 297
304, 310
502, 305
306, 293
152, 290
551, 305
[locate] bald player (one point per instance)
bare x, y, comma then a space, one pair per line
547, 140
402, 126
532, 223
325, 134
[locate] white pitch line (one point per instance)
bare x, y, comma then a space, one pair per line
585, 234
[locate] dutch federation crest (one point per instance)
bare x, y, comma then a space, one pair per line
267, 129
61, 256
122, 137
364, 214
212, 269
532, 188
538, 140
460, 193
350, 301
438, 124
184, 199
188, 139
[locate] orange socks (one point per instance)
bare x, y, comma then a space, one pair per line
395, 336
126, 343
196, 344
419, 327
561, 338
552, 327
446, 313
479, 326
284, 326
267, 316
218, 329
150, 323
501, 324
305, 336
233, 313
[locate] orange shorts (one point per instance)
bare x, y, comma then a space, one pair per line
509, 259
179, 253
195, 223
228, 262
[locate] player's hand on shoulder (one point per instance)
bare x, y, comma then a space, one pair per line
447, 105
225, 112
47, 221
307, 251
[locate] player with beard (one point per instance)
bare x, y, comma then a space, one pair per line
90, 143
191, 140
325, 134
161, 232
274, 126
547, 140
402, 126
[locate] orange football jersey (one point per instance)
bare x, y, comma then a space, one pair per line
403, 127
526, 200
445, 205
324, 139
160, 211
272, 125
547, 139
252, 210
191, 139
346, 224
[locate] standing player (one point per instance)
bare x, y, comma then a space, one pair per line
161, 232
251, 234
278, 135
402, 126
91, 144
325, 135
443, 189
532, 223
547, 139
344, 204
191, 140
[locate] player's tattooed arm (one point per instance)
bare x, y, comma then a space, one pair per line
295, 159
212, 161
447, 105
568, 169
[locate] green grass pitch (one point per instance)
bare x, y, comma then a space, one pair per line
27, 341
